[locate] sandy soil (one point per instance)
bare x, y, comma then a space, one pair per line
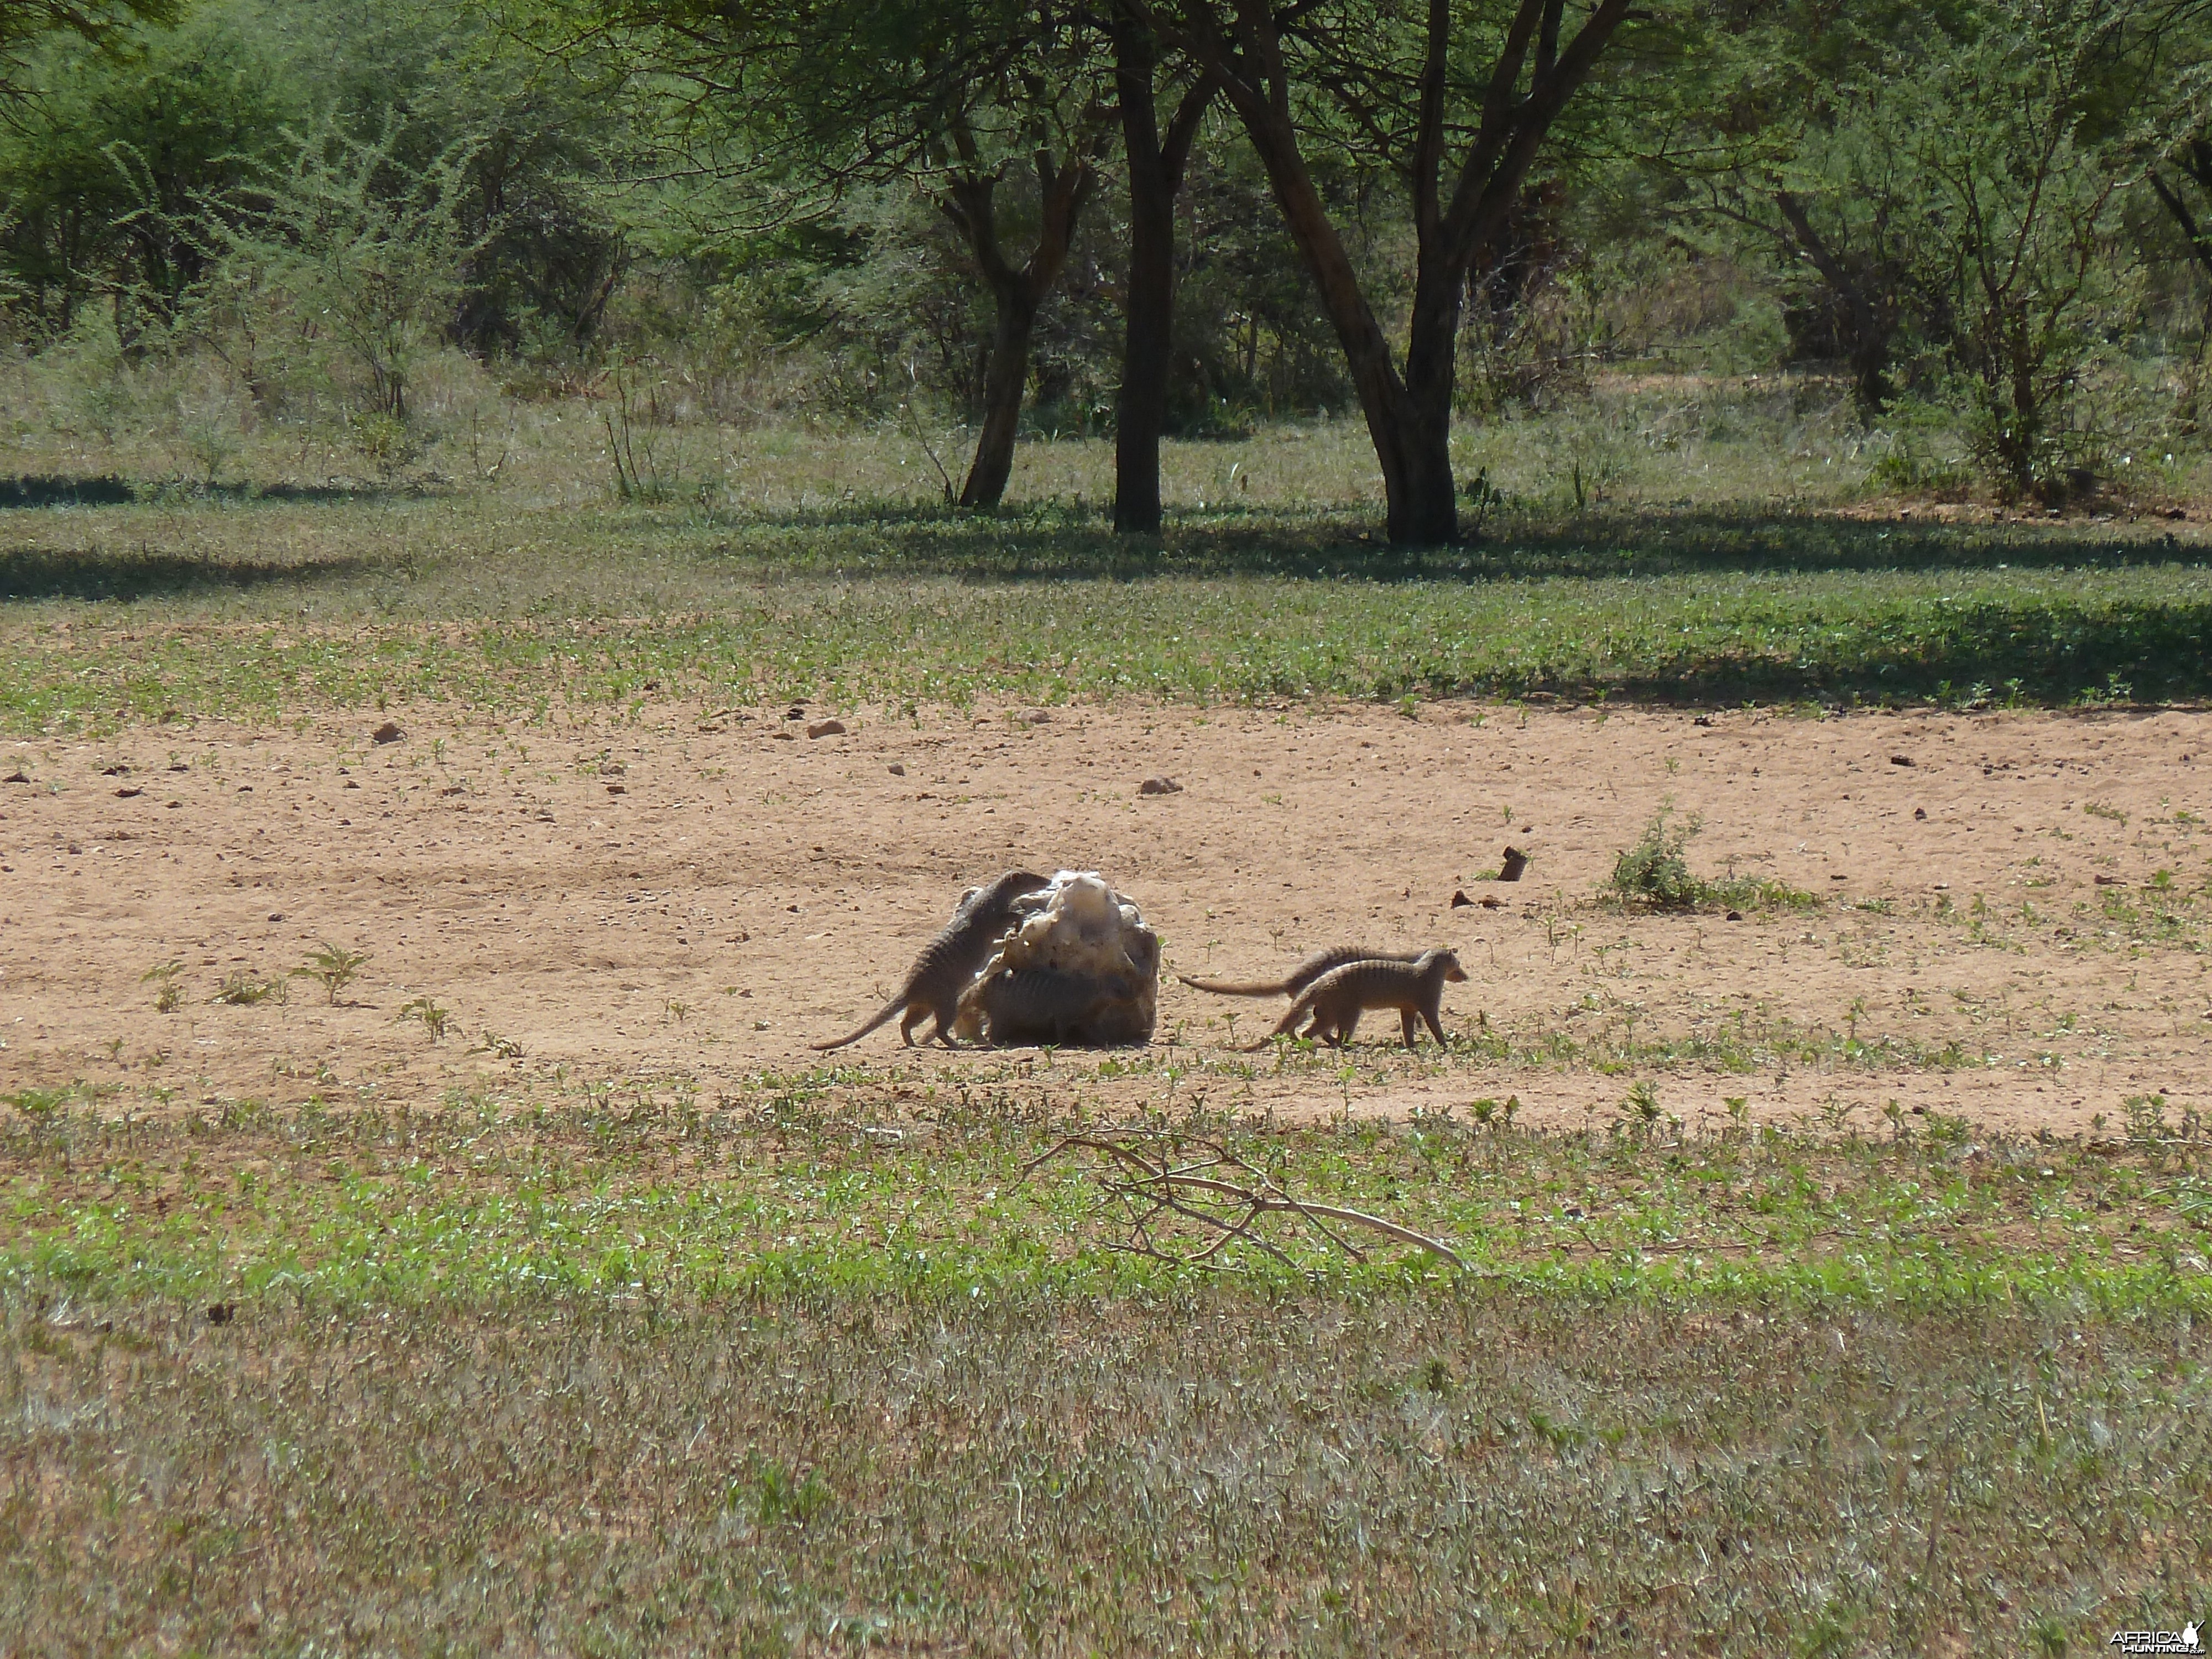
699, 895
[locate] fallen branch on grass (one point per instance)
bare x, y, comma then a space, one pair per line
1217, 1196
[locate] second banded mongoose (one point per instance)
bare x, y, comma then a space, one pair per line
1046, 1005
1335, 1001
949, 963
1300, 976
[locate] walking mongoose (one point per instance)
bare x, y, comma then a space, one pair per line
1046, 1005
1304, 973
1339, 997
948, 962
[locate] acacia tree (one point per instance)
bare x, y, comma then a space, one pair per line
1833, 189
105, 23
1397, 80
959, 100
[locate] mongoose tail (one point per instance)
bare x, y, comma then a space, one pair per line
1320, 962
1335, 1001
897, 1004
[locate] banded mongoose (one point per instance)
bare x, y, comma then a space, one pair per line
951, 960
1046, 1005
1336, 999
1302, 975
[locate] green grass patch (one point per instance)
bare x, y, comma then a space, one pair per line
112, 614
652, 1377
488, 1203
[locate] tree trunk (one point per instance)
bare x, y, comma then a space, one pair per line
1870, 352
1431, 507
1410, 457
1141, 411
1007, 373
1155, 164
1016, 294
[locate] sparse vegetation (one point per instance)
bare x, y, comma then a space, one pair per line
1655, 874
426, 1009
168, 996
242, 989
334, 966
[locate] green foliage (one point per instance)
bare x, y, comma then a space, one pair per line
334, 966
2029, 209
118, 179
240, 989
27, 25
367, 254
1655, 872
169, 996
269, 219
426, 1009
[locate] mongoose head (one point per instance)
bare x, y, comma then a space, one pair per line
1447, 960
1008, 889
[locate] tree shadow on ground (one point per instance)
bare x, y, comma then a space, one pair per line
1064, 543
48, 490
52, 489
38, 573
2034, 654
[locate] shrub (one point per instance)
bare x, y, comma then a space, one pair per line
1655, 872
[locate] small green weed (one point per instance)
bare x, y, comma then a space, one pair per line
334, 965
2145, 1116
240, 989
432, 1017
1655, 874
171, 995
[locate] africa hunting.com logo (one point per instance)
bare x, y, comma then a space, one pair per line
2184, 1640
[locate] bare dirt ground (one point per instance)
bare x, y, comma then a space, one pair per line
699, 895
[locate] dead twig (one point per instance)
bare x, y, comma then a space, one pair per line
1221, 1195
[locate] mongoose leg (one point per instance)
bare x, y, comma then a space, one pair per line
1406, 1021
1436, 1027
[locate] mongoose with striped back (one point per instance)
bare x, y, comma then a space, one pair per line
1045, 1005
1320, 962
949, 961
1335, 1001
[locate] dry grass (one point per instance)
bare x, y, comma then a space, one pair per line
1218, 1472
764, 1377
